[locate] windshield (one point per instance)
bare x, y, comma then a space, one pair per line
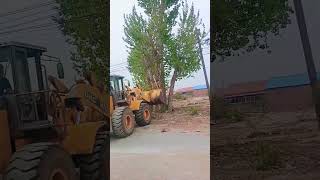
5, 69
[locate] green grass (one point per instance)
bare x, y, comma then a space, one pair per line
234, 116
179, 96
193, 111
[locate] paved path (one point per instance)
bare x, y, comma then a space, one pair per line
160, 156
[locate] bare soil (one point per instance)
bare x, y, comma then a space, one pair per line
293, 137
191, 115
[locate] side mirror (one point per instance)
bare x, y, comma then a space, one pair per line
60, 70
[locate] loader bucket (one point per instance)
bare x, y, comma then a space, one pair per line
157, 97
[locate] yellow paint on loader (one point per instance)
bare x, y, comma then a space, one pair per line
80, 139
135, 105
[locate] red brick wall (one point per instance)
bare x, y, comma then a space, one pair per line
289, 99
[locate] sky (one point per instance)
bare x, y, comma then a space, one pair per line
49, 37
286, 57
118, 51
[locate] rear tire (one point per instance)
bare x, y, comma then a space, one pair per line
96, 165
123, 122
143, 115
41, 161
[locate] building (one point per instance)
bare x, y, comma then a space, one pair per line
277, 94
247, 96
199, 90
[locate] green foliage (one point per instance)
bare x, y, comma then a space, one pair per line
193, 111
86, 24
179, 96
140, 48
241, 26
184, 56
155, 49
233, 115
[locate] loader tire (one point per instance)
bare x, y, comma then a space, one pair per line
123, 122
143, 115
95, 166
41, 161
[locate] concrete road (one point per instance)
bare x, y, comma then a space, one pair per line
149, 155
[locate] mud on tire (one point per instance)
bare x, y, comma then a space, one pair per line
122, 122
40, 161
143, 115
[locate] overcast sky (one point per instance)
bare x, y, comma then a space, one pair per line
118, 47
23, 30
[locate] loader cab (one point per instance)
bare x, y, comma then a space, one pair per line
117, 88
27, 102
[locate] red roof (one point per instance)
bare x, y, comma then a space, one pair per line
183, 90
243, 88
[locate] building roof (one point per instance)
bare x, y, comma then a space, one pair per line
257, 87
289, 81
190, 89
184, 90
200, 87
116, 76
243, 88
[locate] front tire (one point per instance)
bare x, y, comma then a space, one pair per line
143, 115
123, 122
41, 161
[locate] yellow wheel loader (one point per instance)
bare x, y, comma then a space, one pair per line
49, 131
134, 101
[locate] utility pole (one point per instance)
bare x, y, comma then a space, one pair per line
203, 65
312, 73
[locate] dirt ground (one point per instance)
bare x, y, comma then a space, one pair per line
291, 150
175, 146
189, 116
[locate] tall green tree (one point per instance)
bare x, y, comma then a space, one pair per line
86, 25
158, 54
183, 50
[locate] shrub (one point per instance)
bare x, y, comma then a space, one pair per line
234, 115
193, 111
179, 96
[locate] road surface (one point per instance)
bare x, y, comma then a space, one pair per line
149, 155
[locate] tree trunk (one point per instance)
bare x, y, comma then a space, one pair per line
172, 83
308, 57
164, 107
